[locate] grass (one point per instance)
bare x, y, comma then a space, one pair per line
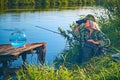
98, 68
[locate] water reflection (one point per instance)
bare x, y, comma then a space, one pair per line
33, 8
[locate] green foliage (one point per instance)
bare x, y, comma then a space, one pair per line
5, 5
104, 67
67, 58
112, 29
95, 69
70, 54
112, 6
57, 2
110, 25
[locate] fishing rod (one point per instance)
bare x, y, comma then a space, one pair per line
48, 30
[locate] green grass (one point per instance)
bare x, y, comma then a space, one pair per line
98, 68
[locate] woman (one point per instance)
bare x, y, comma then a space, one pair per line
91, 38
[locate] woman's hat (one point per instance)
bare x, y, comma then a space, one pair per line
90, 17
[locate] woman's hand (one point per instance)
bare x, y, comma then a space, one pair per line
76, 29
94, 42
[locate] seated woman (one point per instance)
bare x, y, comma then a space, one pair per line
92, 39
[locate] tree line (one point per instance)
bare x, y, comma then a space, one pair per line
44, 2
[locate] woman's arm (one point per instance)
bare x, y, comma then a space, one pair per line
102, 40
94, 42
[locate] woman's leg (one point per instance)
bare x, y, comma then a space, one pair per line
86, 53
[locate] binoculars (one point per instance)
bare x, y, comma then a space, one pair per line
79, 22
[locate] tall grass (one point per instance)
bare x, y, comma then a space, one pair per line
98, 68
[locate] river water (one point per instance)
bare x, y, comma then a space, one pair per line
49, 19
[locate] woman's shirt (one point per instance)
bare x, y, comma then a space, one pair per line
96, 35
